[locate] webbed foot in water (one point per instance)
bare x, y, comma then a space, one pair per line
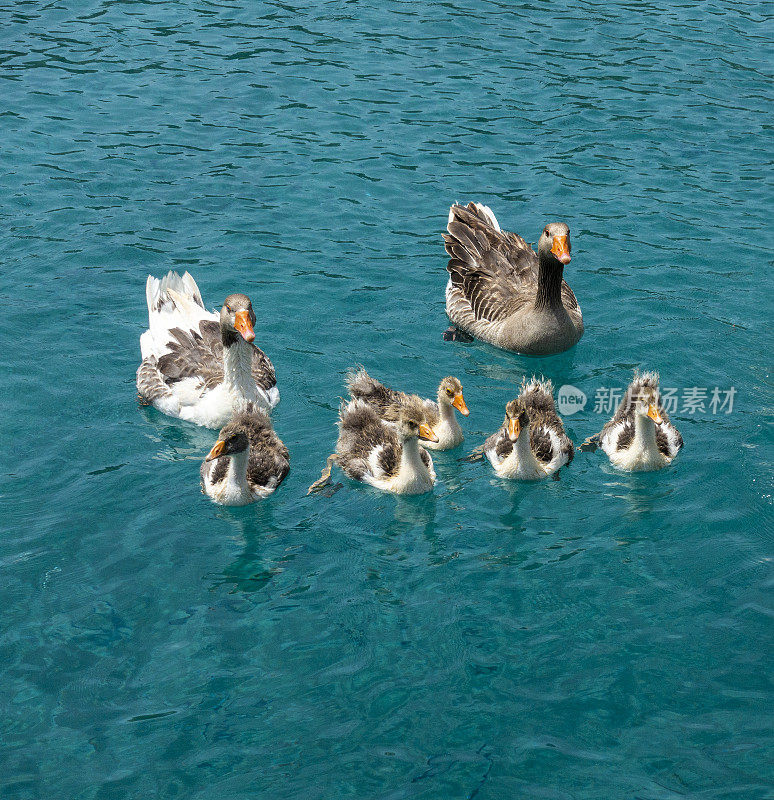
454, 334
475, 455
324, 480
590, 445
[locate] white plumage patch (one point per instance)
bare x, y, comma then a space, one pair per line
674, 442
273, 396
494, 459
373, 461
558, 458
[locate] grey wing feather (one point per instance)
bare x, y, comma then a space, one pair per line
389, 459
500, 443
363, 387
388, 402
540, 442
664, 442
360, 432
194, 354
199, 354
262, 369
150, 382
269, 461
495, 271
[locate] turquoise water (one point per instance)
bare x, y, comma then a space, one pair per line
600, 636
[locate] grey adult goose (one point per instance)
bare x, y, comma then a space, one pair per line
504, 293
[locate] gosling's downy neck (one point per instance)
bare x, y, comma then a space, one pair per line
521, 461
526, 457
235, 487
411, 464
449, 424
645, 435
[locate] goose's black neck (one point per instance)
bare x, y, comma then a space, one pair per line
549, 291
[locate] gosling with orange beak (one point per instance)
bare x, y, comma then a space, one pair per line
639, 437
248, 462
440, 416
531, 443
384, 455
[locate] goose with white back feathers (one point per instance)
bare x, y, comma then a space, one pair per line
247, 463
532, 443
438, 416
197, 365
639, 437
502, 292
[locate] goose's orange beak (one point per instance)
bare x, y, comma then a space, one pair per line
654, 414
560, 249
514, 428
244, 326
216, 450
459, 404
426, 434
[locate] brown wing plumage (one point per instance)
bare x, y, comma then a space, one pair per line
192, 355
199, 354
362, 386
538, 399
500, 443
150, 382
386, 401
269, 460
262, 369
361, 431
495, 271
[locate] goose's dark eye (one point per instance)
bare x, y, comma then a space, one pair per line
228, 309
546, 232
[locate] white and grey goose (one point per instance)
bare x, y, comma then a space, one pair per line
247, 463
384, 455
439, 416
532, 443
639, 437
198, 365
